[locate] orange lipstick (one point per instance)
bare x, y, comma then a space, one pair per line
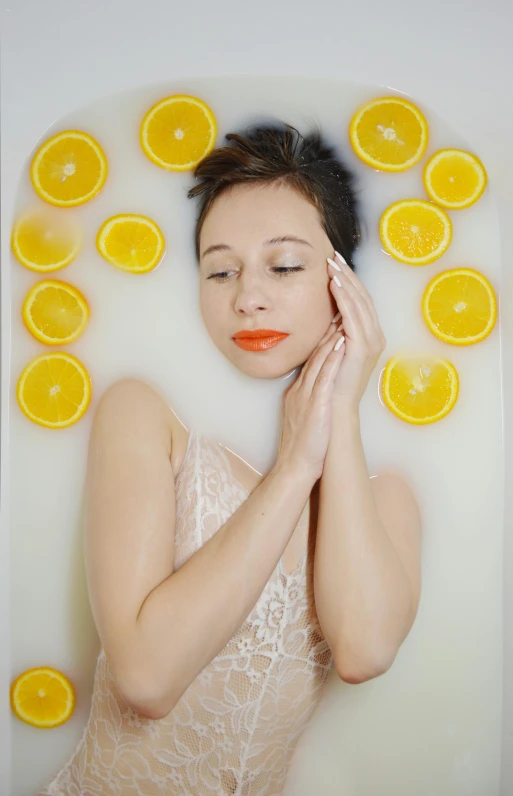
259, 340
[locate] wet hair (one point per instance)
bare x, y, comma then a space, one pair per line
277, 153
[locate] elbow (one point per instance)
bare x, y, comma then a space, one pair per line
359, 670
141, 696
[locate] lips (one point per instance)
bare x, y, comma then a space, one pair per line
258, 333
259, 340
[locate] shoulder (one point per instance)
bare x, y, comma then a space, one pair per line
388, 483
132, 404
400, 516
395, 498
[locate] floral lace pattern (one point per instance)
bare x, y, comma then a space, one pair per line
235, 728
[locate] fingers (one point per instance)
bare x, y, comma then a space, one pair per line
316, 363
320, 347
361, 298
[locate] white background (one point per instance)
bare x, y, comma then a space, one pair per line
456, 56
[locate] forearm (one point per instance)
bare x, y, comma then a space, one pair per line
362, 592
188, 619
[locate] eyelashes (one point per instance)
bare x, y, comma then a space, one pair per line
280, 270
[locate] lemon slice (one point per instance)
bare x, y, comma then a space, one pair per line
45, 241
459, 306
55, 312
415, 231
54, 390
420, 390
454, 178
42, 697
389, 133
131, 242
69, 169
178, 132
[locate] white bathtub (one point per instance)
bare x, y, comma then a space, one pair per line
455, 57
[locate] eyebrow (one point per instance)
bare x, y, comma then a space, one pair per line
218, 247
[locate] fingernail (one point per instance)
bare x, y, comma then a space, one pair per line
337, 316
340, 327
341, 258
337, 281
333, 263
339, 343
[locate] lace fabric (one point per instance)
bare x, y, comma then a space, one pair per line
235, 728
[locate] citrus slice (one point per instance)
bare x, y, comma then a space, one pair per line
68, 169
389, 133
459, 306
415, 231
55, 312
44, 240
54, 390
454, 178
42, 697
178, 132
132, 243
420, 390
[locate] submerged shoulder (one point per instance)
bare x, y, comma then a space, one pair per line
400, 515
129, 402
394, 496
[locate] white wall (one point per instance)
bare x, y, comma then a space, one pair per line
453, 55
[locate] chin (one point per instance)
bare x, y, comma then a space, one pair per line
256, 365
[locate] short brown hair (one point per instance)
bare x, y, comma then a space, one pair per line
278, 153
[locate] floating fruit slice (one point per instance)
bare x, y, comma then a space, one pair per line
420, 390
178, 132
454, 178
415, 231
69, 169
42, 697
55, 312
459, 306
54, 390
132, 243
389, 133
43, 240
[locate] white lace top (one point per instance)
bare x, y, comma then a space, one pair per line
235, 728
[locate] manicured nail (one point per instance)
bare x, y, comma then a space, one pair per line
341, 258
337, 281
339, 343
333, 263
337, 316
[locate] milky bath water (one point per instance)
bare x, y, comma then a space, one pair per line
431, 724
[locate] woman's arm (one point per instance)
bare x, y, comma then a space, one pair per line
160, 628
367, 571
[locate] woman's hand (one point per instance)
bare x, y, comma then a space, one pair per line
364, 339
307, 408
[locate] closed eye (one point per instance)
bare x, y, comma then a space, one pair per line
280, 270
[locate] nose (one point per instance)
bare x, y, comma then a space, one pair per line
250, 297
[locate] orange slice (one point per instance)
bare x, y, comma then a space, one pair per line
459, 306
69, 169
415, 232
44, 240
54, 390
42, 697
420, 390
55, 312
389, 133
132, 243
178, 132
454, 178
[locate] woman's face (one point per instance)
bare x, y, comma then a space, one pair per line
243, 284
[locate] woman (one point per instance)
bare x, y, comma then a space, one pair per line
223, 597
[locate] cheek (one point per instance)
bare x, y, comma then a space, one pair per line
213, 313
314, 302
